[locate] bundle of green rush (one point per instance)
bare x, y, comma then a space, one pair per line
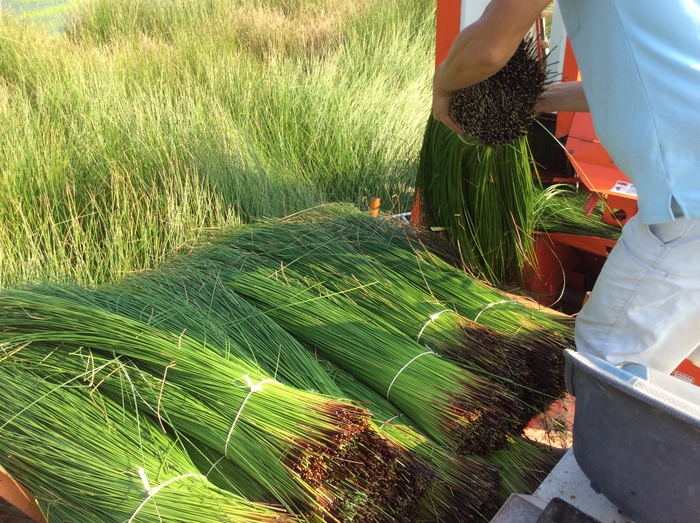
178, 298
391, 245
86, 458
479, 190
456, 407
465, 487
481, 199
522, 466
296, 443
561, 208
423, 258
308, 251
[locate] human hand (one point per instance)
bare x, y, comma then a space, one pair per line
564, 96
442, 99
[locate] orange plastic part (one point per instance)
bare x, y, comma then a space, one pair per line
570, 73
374, 205
448, 19
687, 371
598, 172
416, 216
557, 255
19, 497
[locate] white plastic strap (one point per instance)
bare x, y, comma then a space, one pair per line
432, 318
153, 491
254, 387
491, 305
390, 420
404, 368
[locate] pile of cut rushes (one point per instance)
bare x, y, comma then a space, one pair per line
293, 444
227, 352
107, 462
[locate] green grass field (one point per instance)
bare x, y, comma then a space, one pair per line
141, 122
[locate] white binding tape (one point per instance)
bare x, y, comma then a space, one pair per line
254, 387
153, 491
404, 368
491, 305
432, 318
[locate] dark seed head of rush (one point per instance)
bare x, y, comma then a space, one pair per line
500, 109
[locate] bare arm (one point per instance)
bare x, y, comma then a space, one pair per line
481, 50
565, 96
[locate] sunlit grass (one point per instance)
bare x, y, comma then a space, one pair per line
142, 123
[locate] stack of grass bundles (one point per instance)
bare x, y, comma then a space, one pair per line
297, 442
480, 190
307, 250
457, 408
209, 312
536, 337
269, 345
87, 459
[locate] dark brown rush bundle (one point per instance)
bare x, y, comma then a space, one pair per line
498, 110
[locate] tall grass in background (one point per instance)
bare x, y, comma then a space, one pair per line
145, 121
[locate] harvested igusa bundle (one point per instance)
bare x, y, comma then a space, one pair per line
499, 110
294, 444
319, 254
88, 458
478, 189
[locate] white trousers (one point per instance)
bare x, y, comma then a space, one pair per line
645, 305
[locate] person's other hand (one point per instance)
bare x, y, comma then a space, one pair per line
564, 96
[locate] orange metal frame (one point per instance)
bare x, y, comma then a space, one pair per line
448, 17
447, 28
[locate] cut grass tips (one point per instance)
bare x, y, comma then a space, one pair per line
500, 109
